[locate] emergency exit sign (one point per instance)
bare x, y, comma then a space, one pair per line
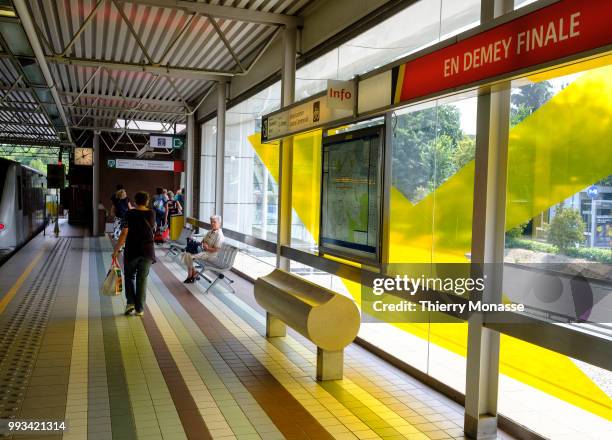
166, 142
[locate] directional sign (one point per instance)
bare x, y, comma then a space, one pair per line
147, 165
178, 142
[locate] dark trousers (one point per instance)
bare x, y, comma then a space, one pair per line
135, 272
160, 218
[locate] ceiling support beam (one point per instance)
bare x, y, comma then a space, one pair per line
24, 124
28, 26
133, 32
149, 101
81, 28
113, 118
226, 12
6, 108
4, 131
120, 130
177, 72
118, 111
9, 141
227, 44
87, 83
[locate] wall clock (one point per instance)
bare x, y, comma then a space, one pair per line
83, 156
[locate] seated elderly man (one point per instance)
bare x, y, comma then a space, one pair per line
211, 244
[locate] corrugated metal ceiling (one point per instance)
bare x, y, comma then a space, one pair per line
95, 48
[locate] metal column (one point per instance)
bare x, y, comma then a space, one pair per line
593, 221
488, 231
95, 187
189, 175
286, 148
220, 157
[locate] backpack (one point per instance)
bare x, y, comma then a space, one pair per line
158, 204
193, 247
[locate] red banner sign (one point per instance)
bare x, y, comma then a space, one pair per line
553, 32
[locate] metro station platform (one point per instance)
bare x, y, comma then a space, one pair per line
195, 366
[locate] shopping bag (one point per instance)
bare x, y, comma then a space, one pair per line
161, 235
113, 284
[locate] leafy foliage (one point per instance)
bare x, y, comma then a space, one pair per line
601, 255
517, 231
527, 99
38, 163
593, 254
536, 246
518, 114
532, 96
566, 228
605, 182
429, 147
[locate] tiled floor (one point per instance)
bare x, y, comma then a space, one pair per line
194, 367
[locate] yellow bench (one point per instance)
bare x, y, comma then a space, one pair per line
329, 320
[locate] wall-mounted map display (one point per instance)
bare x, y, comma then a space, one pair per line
350, 194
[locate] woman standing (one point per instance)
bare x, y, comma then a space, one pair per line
173, 207
137, 234
121, 205
159, 205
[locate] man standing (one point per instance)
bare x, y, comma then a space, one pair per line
137, 234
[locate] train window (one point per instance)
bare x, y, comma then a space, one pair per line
25, 190
18, 192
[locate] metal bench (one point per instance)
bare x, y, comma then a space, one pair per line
223, 263
329, 320
178, 246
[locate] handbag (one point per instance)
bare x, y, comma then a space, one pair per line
193, 246
113, 283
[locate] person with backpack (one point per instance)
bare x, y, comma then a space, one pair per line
139, 253
173, 207
159, 206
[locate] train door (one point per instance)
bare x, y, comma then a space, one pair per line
8, 206
21, 226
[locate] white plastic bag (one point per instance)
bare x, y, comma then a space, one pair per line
113, 284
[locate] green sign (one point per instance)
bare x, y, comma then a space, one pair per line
111, 163
178, 142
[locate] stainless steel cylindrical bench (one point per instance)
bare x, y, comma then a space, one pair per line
328, 319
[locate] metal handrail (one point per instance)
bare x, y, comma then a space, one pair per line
572, 342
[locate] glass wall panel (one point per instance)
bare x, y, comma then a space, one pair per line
252, 261
552, 394
420, 25
558, 242
520, 3
251, 168
433, 147
208, 169
306, 190
431, 210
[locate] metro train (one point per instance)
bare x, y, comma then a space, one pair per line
22, 204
